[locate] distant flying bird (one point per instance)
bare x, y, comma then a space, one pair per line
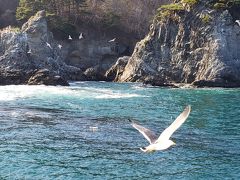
112, 40
60, 46
69, 37
238, 22
208, 11
162, 142
81, 36
48, 45
29, 51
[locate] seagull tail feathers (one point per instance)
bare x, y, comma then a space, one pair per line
143, 149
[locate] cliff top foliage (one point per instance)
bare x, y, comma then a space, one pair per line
166, 11
131, 16
225, 4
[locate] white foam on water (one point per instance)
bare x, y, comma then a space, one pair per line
15, 92
15, 114
102, 93
117, 96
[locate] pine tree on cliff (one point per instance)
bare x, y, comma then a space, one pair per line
63, 8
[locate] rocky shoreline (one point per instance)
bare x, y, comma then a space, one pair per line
179, 52
185, 49
31, 55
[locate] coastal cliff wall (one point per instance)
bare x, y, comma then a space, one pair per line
197, 45
25, 51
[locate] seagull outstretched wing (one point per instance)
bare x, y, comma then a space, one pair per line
81, 36
166, 134
148, 134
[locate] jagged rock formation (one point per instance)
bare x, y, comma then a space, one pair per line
198, 46
24, 51
33, 47
117, 69
94, 54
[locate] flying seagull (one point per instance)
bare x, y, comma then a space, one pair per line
81, 36
238, 22
162, 142
48, 45
69, 37
60, 46
112, 40
29, 51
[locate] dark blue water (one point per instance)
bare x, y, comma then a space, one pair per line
83, 132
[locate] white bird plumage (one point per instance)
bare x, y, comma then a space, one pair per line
60, 46
238, 22
29, 51
81, 36
48, 45
112, 40
163, 141
69, 37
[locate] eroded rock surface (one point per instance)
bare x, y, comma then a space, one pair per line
187, 49
23, 51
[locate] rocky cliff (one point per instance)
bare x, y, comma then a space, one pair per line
25, 51
197, 45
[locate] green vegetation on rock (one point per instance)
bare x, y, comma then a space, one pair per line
166, 11
131, 16
224, 4
206, 18
190, 2
59, 13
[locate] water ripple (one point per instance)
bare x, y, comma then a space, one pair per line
82, 132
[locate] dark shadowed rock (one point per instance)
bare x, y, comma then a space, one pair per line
44, 76
95, 74
117, 69
13, 77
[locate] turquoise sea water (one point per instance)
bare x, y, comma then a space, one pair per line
83, 132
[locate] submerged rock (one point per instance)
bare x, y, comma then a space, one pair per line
187, 48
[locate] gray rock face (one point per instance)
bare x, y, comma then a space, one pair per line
117, 69
188, 50
93, 51
95, 74
23, 51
